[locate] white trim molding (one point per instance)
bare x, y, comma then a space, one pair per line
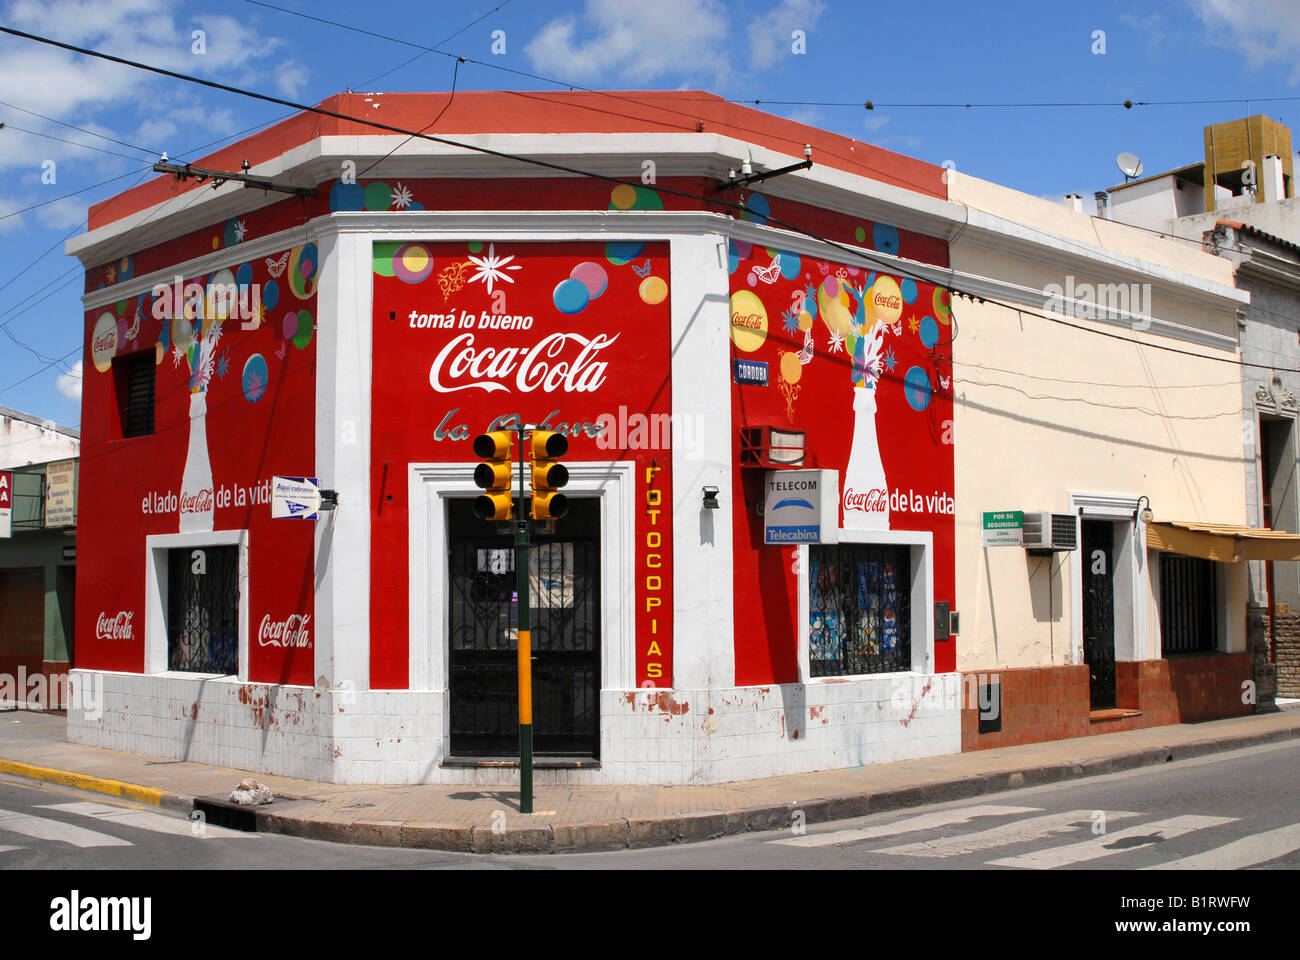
431, 484
1132, 584
155, 590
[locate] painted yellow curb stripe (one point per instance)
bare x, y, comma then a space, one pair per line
117, 788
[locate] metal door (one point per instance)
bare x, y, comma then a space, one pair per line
565, 621
1099, 611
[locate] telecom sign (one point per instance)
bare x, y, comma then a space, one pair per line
6, 503
295, 497
801, 506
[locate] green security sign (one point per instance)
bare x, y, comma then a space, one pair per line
1003, 528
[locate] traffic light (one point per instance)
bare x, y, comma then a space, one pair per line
548, 476
494, 476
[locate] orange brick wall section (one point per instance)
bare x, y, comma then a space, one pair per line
1052, 703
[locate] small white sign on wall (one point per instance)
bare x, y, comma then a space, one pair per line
801, 506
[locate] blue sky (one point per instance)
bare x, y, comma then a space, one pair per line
892, 54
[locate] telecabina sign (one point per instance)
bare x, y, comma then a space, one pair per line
474, 337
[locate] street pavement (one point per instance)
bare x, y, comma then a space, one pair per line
570, 819
1226, 811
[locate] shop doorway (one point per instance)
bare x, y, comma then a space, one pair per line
483, 632
1099, 611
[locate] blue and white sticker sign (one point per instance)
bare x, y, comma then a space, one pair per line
750, 371
295, 497
801, 506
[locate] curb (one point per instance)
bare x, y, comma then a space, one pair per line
636, 833
83, 781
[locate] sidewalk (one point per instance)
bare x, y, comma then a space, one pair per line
568, 819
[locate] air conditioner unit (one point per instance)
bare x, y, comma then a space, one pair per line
1050, 531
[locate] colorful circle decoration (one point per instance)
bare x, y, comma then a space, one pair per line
230, 236
476, 246
757, 209
306, 326
653, 290
790, 265
627, 196
255, 378
860, 235
270, 294
571, 296
412, 263
182, 333
378, 196
103, 342
347, 196
592, 276
805, 321
909, 290
748, 321
244, 275
217, 302
885, 238
942, 305
164, 343
929, 332
302, 270
791, 368
886, 299
382, 258
834, 304
622, 252
916, 387
733, 256
125, 269
120, 307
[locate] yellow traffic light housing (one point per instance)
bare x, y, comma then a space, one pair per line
494, 475
548, 476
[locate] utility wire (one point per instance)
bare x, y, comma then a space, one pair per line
576, 171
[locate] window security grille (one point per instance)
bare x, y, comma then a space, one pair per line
859, 610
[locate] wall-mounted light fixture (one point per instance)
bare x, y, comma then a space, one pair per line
710, 498
1145, 512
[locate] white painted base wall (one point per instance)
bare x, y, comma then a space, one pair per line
668, 737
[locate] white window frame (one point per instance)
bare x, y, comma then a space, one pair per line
431, 484
922, 597
156, 547
1133, 639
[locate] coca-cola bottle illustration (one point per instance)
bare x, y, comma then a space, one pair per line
866, 492
197, 499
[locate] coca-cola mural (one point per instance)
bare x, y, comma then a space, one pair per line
861, 362
233, 354
569, 336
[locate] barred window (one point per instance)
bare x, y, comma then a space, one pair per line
203, 609
1188, 614
859, 609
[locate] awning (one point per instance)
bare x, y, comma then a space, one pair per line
1222, 542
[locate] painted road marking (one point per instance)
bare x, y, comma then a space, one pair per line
146, 820
4, 849
1022, 831
1134, 838
1245, 852
926, 821
43, 829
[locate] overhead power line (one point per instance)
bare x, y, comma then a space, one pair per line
576, 171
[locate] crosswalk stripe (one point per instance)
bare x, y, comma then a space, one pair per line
4, 849
1112, 843
42, 829
1245, 852
1022, 831
145, 820
926, 821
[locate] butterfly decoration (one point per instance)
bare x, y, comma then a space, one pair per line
896, 328
806, 354
135, 327
282, 349
841, 273
276, 267
945, 382
823, 267
642, 271
769, 274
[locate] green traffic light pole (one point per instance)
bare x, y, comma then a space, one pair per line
524, 644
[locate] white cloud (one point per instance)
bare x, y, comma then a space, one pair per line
770, 37
1261, 31
62, 214
875, 122
637, 41
291, 78
69, 382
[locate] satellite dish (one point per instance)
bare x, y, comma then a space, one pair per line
1129, 165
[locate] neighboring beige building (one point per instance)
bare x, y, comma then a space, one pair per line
1123, 400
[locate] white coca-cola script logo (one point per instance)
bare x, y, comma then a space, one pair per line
534, 367
871, 501
200, 502
117, 627
291, 632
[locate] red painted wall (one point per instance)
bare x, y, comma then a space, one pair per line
781, 305
597, 343
259, 385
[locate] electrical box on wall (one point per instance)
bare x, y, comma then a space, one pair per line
942, 629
